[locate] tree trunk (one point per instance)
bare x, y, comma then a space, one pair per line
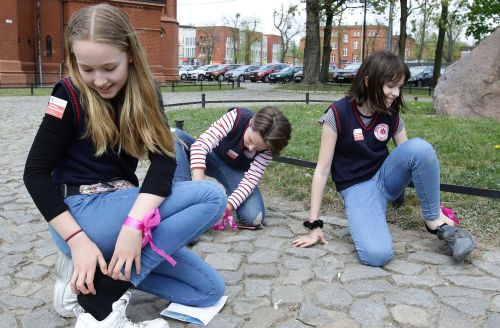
327, 47
440, 42
311, 49
402, 28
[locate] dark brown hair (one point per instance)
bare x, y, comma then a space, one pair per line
273, 127
379, 68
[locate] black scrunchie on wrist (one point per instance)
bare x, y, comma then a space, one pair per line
313, 225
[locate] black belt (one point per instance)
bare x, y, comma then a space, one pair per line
69, 190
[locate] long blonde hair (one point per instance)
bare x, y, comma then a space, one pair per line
141, 125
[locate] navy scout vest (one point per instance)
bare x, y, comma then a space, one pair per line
79, 165
231, 148
360, 150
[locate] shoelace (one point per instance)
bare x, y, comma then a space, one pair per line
227, 219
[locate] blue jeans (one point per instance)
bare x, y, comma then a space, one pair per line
252, 210
191, 209
366, 202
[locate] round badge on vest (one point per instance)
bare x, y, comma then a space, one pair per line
381, 132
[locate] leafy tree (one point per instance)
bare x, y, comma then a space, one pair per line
420, 26
311, 48
285, 22
483, 17
206, 42
235, 24
249, 36
453, 30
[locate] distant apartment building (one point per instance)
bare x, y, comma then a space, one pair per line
347, 43
272, 51
215, 44
187, 45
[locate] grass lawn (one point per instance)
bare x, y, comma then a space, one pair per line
11, 92
466, 150
336, 87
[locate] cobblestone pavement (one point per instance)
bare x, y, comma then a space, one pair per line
269, 283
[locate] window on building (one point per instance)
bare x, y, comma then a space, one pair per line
346, 37
356, 44
332, 58
345, 52
357, 33
355, 58
48, 46
334, 45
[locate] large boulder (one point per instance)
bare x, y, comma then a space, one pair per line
471, 87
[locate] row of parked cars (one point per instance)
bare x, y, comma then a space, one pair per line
272, 73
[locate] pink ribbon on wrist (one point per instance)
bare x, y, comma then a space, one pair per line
224, 221
448, 212
149, 222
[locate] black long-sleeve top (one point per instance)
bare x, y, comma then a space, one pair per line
50, 149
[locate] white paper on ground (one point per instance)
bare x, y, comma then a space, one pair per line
198, 315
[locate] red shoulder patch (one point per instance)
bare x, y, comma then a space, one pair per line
56, 107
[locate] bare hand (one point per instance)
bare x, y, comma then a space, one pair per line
85, 256
127, 252
310, 239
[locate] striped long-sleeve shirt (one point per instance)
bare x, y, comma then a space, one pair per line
210, 139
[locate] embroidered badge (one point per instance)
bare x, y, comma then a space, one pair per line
232, 154
358, 134
56, 107
381, 132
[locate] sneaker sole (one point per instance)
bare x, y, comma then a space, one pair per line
64, 271
462, 256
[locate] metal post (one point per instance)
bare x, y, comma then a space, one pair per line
307, 98
220, 85
179, 124
31, 87
201, 85
202, 100
238, 84
173, 88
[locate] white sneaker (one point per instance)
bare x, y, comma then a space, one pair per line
117, 318
64, 299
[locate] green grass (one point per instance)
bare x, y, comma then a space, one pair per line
466, 149
12, 92
196, 87
336, 87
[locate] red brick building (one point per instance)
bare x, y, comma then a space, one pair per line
31, 37
214, 44
347, 43
271, 49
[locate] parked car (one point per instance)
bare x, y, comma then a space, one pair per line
218, 72
285, 75
421, 76
332, 73
262, 74
199, 74
240, 73
348, 73
184, 69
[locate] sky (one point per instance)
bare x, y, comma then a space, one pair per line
208, 12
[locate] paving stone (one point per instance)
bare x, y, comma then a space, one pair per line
7, 321
491, 256
418, 281
243, 247
326, 272
222, 320
232, 277
452, 319
331, 297
365, 288
267, 316
310, 253
411, 296
287, 295
369, 312
493, 321
405, 267
257, 287
314, 316
281, 232
293, 263
297, 277
249, 305
270, 243
224, 261
358, 272
339, 247
474, 307
32, 272
458, 269
484, 283
457, 291
262, 270
495, 304
488, 267
292, 323
263, 257
5, 281
409, 315
430, 258
13, 302
205, 247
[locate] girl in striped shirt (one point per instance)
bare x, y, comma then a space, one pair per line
236, 151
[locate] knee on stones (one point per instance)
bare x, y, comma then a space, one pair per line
376, 257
